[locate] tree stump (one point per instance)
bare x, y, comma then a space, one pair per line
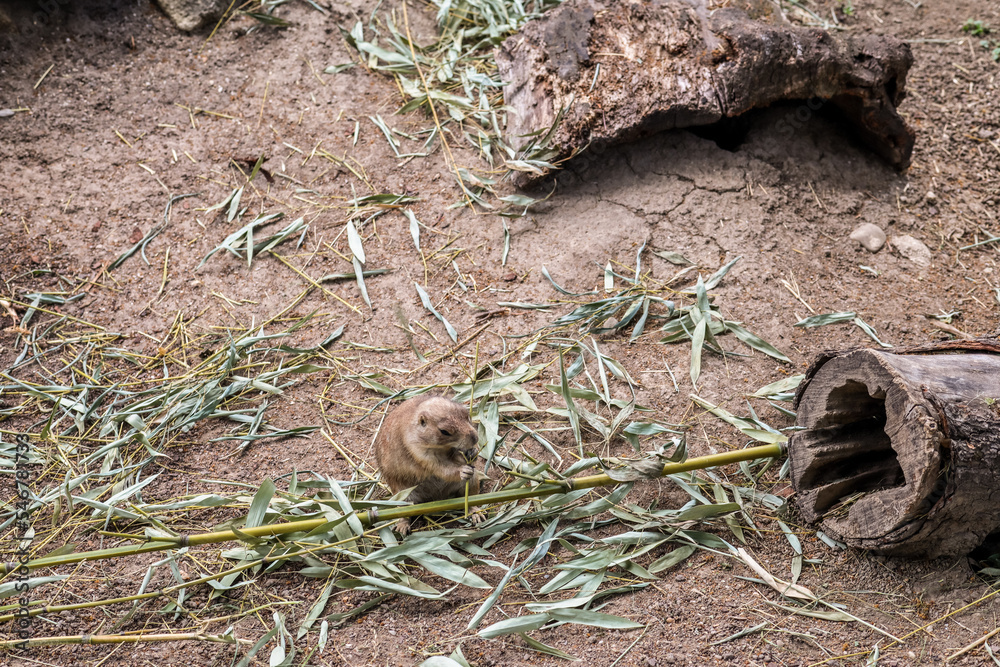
619, 69
900, 453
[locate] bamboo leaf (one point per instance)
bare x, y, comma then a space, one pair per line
541, 548
265, 638
567, 394
779, 387
225, 202
426, 300
594, 618
360, 275
414, 228
450, 571
345, 506
558, 288
234, 204
513, 626
439, 661
756, 342
354, 241
536, 645
835, 616
697, 341
10, 588
702, 512
868, 329
640, 325
259, 504
673, 257
741, 633
338, 618
787, 589
678, 555
337, 69
825, 318
296, 227
506, 244
372, 583
524, 306
717, 277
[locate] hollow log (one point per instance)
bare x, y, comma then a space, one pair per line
621, 69
900, 453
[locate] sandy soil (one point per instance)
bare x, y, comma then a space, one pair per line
109, 134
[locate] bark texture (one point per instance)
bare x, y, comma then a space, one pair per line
900, 453
621, 69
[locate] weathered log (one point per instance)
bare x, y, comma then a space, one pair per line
621, 69
900, 453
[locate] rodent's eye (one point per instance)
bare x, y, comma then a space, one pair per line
445, 432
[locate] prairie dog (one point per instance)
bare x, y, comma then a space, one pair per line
427, 442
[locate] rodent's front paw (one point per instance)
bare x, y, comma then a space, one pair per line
466, 473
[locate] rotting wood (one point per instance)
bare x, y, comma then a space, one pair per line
621, 69
900, 453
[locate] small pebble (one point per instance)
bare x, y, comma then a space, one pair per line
913, 250
510, 277
871, 237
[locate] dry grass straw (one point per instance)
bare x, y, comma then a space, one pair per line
99, 412
122, 409
455, 80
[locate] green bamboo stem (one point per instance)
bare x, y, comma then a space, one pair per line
374, 515
121, 639
166, 592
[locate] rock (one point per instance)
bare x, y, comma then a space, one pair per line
930, 197
193, 14
870, 236
913, 250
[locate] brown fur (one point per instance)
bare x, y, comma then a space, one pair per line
427, 442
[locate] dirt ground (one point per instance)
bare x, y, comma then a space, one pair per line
105, 133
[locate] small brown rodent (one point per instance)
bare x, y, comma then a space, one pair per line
427, 442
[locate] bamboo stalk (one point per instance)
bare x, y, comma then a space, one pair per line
121, 639
166, 592
374, 516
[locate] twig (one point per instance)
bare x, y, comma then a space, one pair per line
42, 77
